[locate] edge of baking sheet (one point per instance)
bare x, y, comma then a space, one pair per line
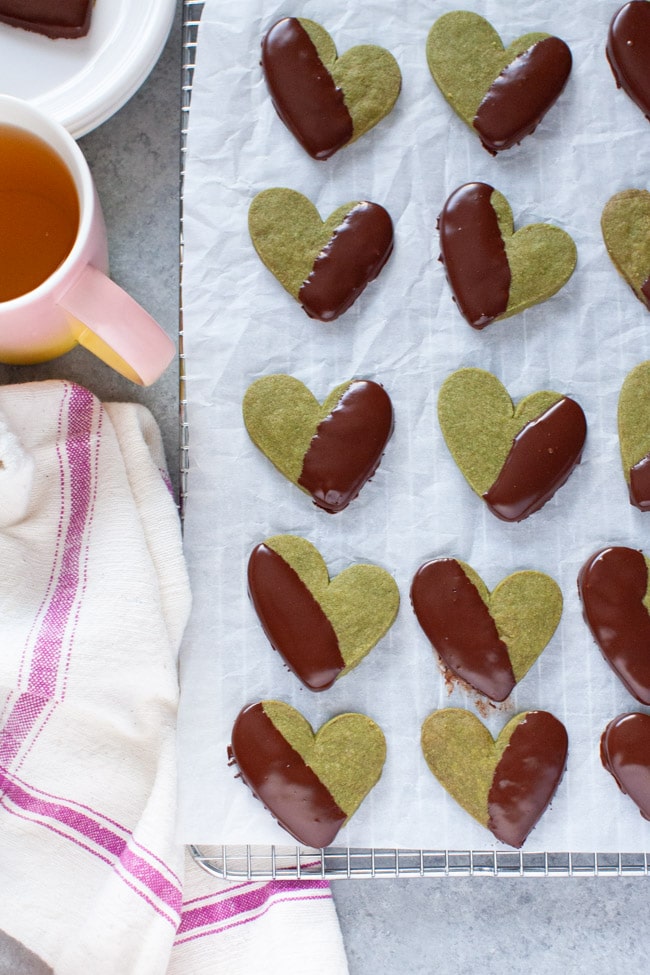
270, 862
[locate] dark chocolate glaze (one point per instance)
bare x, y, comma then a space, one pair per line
541, 458
303, 91
282, 781
640, 484
520, 97
474, 255
348, 444
612, 585
527, 776
353, 257
62, 18
293, 620
451, 612
628, 52
625, 753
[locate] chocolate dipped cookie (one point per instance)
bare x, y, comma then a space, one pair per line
501, 93
324, 100
329, 450
505, 784
311, 783
625, 753
614, 588
628, 51
625, 225
324, 265
494, 271
514, 458
321, 627
634, 434
489, 640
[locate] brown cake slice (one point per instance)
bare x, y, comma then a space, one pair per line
64, 18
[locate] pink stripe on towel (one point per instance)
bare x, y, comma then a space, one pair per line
23, 717
62, 600
80, 825
59, 618
219, 910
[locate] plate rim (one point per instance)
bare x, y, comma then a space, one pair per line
131, 69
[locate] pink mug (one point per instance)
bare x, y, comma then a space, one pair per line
78, 304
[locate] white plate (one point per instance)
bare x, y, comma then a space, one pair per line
83, 81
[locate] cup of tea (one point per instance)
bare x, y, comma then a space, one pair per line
55, 292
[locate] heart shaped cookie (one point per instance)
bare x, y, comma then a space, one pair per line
493, 272
321, 628
506, 784
323, 265
625, 224
311, 783
328, 450
501, 93
327, 102
634, 434
628, 52
490, 640
625, 753
515, 459
613, 586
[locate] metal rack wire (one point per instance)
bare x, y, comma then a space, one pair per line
271, 862
192, 10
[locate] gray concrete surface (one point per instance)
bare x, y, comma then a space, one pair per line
390, 927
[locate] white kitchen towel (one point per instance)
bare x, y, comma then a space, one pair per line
94, 599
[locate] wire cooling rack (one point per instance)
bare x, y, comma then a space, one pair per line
271, 862
191, 18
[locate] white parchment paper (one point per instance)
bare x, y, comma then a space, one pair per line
406, 333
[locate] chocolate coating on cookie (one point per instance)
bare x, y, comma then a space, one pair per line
628, 52
303, 91
519, 98
451, 612
625, 753
541, 458
639, 486
613, 584
527, 776
295, 625
352, 258
347, 447
473, 254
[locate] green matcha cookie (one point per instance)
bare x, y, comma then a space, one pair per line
501, 93
493, 272
625, 224
326, 101
490, 640
634, 434
328, 450
311, 783
513, 458
505, 784
322, 628
323, 265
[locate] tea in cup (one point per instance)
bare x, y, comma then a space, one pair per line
55, 291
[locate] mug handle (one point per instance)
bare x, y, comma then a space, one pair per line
115, 328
